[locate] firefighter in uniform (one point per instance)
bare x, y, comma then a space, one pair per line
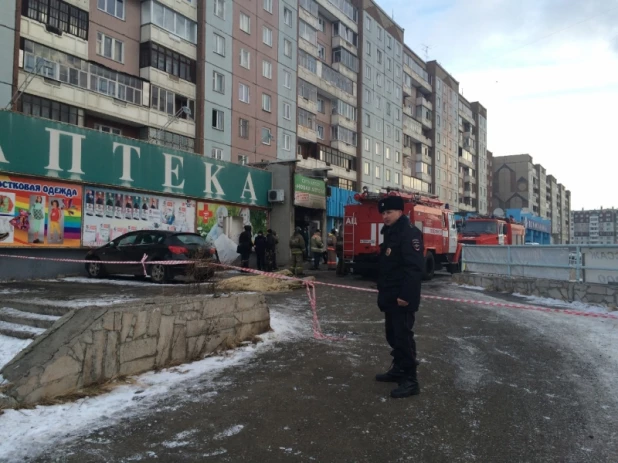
399, 293
332, 254
297, 245
341, 269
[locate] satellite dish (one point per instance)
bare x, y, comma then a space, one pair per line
498, 212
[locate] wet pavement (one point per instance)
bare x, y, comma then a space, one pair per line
497, 385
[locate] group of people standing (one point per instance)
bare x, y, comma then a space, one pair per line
265, 249
332, 254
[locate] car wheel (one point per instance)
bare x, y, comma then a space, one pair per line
158, 273
95, 269
430, 266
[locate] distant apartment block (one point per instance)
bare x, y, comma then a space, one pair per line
599, 226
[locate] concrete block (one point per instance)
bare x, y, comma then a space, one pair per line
554, 293
137, 349
87, 376
100, 341
198, 327
164, 344
127, 324
137, 366
597, 289
117, 321
61, 387
154, 320
78, 350
59, 368
258, 314
217, 307
110, 367
179, 344
108, 321
26, 388
86, 337
141, 325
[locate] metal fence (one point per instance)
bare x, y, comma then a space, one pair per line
589, 264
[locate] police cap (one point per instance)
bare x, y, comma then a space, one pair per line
391, 203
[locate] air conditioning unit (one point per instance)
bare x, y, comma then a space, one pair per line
275, 196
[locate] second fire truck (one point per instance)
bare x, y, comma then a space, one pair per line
363, 224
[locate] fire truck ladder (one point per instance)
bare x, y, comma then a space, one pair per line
348, 239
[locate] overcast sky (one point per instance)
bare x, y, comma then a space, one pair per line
555, 98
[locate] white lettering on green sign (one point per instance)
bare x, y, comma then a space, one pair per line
2, 157
171, 170
126, 159
211, 179
54, 151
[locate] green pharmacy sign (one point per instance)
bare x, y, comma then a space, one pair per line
45, 148
309, 192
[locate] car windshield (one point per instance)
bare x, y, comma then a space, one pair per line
191, 239
480, 226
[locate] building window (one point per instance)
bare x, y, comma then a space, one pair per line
287, 17
387, 153
217, 119
368, 23
220, 8
243, 93
397, 178
287, 79
169, 20
219, 45
110, 47
367, 120
243, 128
379, 79
389, 64
367, 143
216, 153
243, 159
320, 132
378, 149
80, 73
218, 82
287, 48
388, 108
267, 36
379, 54
168, 139
397, 157
266, 136
171, 103
305, 31
378, 102
321, 23
287, 142
59, 15
321, 52
245, 23
377, 171
266, 102
107, 129
287, 111
245, 58
397, 135
343, 56
389, 42
387, 174
166, 60
368, 47
42, 107
268, 6
267, 69
113, 7
380, 33
368, 72
321, 106
306, 119
366, 168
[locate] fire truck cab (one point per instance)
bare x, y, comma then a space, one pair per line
363, 224
490, 230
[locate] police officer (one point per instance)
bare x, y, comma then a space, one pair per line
399, 287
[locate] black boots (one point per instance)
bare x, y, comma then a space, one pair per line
393, 375
408, 386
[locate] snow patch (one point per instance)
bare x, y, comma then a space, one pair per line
9, 348
575, 305
102, 281
31, 315
229, 432
78, 303
472, 288
23, 328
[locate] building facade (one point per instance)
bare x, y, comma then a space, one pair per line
599, 226
520, 183
490, 182
7, 53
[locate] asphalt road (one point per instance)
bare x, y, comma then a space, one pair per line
498, 385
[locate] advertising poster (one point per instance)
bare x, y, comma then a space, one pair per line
309, 192
111, 213
39, 212
222, 225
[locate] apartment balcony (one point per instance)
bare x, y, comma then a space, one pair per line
153, 33
308, 18
341, 69
407, 152
427, 123
466, 207
343, 147
420, 101
423, 156
334, 14
335, 171
341, 42
307, 134
470, 135
468, 117
414, 130
408, 110
37, 32
308, 47
307, 104
407, 171
470, 194
425, 177
187, 9
470, 179
338, 119
407, 90
417, 80
325, 85
104, 105
169, 82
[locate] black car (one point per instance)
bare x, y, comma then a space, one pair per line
158, 246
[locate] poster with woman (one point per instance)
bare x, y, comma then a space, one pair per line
40, 212
221, 225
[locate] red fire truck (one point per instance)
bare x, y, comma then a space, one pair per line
363, 223
490, 230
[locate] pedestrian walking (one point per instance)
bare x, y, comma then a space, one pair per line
244, 246
260, 250
399, 293
297, 244
271, 247
317, 248
331, 242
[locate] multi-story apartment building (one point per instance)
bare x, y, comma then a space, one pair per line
380, 97
328, 65
490, 182
7, 52
519, 183
445, 135
599, 226
418, 160
480, 144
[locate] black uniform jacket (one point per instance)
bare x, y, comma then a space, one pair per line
401, 266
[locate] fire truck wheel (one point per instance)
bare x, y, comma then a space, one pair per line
430, 266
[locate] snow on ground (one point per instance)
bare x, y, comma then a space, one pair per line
18, 327
20, 429
107, 281
9, 348
19, 313
77, 303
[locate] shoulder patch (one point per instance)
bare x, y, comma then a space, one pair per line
416, 244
